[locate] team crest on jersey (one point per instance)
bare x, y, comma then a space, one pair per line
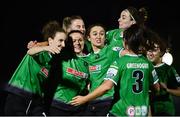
94, 68
76, 73
44, 71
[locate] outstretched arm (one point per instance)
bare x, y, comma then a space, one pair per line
175, 92
44, 43
104, 87
54, 49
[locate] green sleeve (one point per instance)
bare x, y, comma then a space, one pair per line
113, 73
174, 76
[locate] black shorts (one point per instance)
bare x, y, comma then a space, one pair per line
99, 107
59, 108
18, 105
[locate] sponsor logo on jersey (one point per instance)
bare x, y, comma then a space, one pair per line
178, 79
116, 48
131, 111
44, 71
154, 74
137, 110
144, 110
76, 73
94, 68
111, 73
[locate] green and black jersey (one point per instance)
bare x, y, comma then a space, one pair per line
163, 102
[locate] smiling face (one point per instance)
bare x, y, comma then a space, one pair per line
154, 55
58, 40
78, 42
125, 20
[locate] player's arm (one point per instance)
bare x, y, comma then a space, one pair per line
44, 43
103, 88
149, 112
37, 49
175, 92
156, 87
54, 49
35, 44
176, 82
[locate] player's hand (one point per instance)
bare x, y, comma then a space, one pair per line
31, 44
163, 85
53, 49
78, 100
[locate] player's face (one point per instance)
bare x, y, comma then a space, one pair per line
78, 42
154, 55
97, 36
78, 24
58, 40
125, 20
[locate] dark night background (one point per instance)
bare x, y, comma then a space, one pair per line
23, 21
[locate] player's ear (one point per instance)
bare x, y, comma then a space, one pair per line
89, 39
50, 40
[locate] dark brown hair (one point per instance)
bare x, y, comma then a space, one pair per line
140, 16
50, 29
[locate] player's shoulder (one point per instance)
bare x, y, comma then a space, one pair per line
112, 31
167, 67
122, 59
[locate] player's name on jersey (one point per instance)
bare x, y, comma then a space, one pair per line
138, 65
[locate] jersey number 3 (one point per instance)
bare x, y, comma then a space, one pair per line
138, 85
